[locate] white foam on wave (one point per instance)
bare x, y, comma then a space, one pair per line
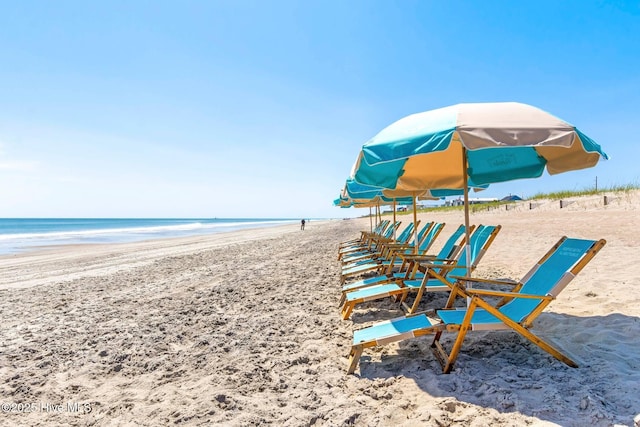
99, 232
11, 242
71, 234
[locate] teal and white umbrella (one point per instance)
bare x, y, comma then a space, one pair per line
468, 145
355, 194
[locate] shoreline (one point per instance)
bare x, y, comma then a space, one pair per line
56, 232
146, 250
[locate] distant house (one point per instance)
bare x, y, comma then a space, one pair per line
472, 201
398, 209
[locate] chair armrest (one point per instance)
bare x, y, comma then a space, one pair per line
507, 294
422, 258
508, 282
416, 257
445, 263
393, 248
397, 245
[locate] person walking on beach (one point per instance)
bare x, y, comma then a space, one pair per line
302, 225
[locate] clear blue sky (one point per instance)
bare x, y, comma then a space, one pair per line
259, 108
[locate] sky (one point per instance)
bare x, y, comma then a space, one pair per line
237, 108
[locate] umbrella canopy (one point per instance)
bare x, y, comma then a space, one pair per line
362, 194
471, 145
354, 190
346, 202
497, 141
359, 195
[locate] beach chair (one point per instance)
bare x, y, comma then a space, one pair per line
363, 240
388, 259
410, 244
364, 237
435, 272
381, 248
370, 241
448, 250
514, 310
377, 230
440, 278
395, 251
385, 250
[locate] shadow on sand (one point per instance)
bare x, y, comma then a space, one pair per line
504, 371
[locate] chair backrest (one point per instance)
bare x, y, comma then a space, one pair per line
406, 233
377, 231
449, 250
450, 246
421, 233
430, 237
429, 233
380, 227
550, 276
480, 241
389, 231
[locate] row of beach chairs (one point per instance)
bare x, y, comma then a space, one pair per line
376, 266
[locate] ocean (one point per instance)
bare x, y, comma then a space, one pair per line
21, 234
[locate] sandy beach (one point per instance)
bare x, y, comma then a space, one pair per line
243, 328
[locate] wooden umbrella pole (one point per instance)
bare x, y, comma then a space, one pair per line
466, 209
466, 215
370, 220
394, 218
415, 224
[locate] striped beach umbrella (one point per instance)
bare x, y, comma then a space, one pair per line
472, 145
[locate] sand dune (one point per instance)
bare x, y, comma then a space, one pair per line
243, 329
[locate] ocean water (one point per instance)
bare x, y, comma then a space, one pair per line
21, 234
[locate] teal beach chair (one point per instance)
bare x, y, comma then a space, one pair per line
436, 274
514, 310
448, 251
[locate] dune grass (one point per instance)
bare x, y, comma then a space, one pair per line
556, 195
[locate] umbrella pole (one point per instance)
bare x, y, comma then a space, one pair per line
370, 220
415, 225
466, 215
394, 218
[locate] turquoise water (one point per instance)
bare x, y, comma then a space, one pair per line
20, 234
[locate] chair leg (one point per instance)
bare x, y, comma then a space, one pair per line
546, 347
416, 302
452, 296
354, 358
343, 297
347, 308
438, 350
464, 328
527, 334
448, 360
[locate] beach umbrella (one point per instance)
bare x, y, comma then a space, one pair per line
358, 195
356, 191
364, 194
468, 145
371, 199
